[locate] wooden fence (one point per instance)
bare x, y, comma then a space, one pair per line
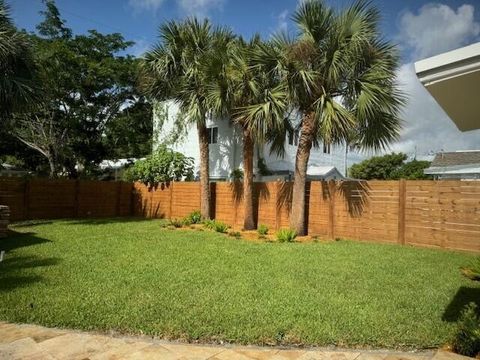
52, 199
443, 214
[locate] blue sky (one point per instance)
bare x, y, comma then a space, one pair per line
420, 28
138, 20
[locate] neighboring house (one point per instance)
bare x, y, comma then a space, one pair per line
463, 165
225, 138
453, 79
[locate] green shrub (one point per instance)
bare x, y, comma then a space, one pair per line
220, 227
195, 217
236, 175
286, 235
467, 337
235, 234
215, 225
162, 166
262, 229
473, 271
186, 221
176, 223
209, 224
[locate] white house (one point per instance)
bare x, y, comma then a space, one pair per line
225, 138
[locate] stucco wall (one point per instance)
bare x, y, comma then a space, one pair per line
226, 155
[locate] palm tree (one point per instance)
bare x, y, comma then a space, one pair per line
340, 76
240, 87
179, 68
16, 67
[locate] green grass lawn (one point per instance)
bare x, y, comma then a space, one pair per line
135, 277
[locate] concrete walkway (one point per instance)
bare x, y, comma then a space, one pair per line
36, 342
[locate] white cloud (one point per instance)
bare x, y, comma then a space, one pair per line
437, 28
146, 5
426, 125
282, 21
140, 47
200, 8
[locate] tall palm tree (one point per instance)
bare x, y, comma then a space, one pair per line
240, 86
16, 67
179, 69
340, 76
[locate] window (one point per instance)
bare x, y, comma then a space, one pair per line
326, 148
293, 136
212, 135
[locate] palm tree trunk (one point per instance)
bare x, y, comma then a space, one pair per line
204, 171
297, 215
248, 144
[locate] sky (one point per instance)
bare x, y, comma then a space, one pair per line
419, 28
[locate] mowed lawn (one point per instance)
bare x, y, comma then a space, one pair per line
134, 277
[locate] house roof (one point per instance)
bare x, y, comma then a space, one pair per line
453, 79
456, 158
323, 171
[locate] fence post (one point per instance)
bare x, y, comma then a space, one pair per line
170, 201
402, 193
278, 207
331, 209
119, 196
76, 198
26, 200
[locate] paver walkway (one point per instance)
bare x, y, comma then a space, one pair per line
35, 342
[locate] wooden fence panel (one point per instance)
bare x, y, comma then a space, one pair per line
319, 209
185, 198
12, 194
367, 210
265, 195
50, 199
444, 214
227, 196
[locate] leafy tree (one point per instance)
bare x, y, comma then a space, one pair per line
413, 170
180, 68
389, 167
378, 167
162, 166
86, 85
339, 75
129, 134
17, 88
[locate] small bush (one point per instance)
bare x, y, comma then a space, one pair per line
177, 223
286, 235
217, 226
473, 271
220, 227
467, 337
235, 234
209, 224
195, 217
262, 229
186, 221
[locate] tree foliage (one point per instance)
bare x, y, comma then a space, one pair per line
162, 166
90, 104
17, 68
389, 167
